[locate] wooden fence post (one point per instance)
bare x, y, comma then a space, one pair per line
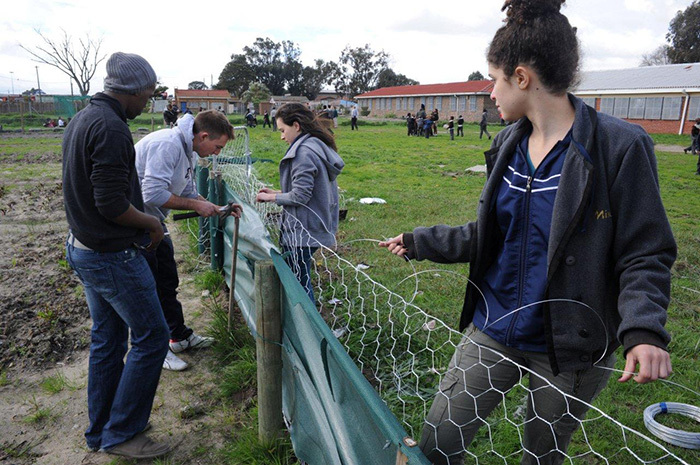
268, 323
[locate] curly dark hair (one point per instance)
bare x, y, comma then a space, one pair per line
536, 34
308, 122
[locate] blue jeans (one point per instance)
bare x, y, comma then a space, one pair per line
299, 261
121, 295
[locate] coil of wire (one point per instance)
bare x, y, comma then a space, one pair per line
676, 437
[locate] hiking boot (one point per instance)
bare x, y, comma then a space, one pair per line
195, 341
140, 447
173, 363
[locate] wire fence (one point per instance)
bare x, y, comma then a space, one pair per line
445, 387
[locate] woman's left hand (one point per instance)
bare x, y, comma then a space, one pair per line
265, 196
654, 363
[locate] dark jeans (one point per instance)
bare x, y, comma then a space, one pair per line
452, 134
121, 295
353, 123
480, 372
460, 131
162, 264
482, 130
299, 261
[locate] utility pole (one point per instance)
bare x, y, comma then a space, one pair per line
38, 86
12, 80
71, 88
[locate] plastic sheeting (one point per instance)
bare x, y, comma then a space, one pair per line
334, 415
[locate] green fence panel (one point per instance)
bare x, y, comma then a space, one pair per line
333, 414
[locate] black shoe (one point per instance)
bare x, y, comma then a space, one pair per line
685, 151
140, 447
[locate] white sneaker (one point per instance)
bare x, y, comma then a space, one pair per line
195, 341
174, 363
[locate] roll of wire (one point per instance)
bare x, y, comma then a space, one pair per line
676, 437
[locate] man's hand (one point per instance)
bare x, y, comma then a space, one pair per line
395, 245
156, 234
206, 209
654, 363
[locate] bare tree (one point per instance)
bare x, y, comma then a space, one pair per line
80, 65
658, 57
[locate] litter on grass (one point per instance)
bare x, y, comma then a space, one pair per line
371, 200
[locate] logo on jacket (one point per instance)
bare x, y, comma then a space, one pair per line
188, 174
602, 214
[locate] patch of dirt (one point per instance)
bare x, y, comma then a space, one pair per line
45, 334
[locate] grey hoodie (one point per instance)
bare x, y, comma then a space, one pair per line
165, 163
309, 196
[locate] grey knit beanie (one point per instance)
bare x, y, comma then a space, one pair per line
128, 73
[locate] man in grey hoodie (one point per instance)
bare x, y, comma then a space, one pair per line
165, 161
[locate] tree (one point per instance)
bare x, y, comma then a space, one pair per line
236, 75
476, 76
265, 59
312, 79
257, 92
684, 35
160, 90
358, 70
197, 85
657, 57
79, 66
388, 78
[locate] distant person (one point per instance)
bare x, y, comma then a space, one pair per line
334, 115
169, 117
435, 117
105, 215
570, 254
428, 127
694, 132
61, 123
273, 117
309, 189
353, 119
266, 120
165, 162
460, 126
483, 124
451, 127
411, 124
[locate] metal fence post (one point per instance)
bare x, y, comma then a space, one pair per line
203, 189
268, 312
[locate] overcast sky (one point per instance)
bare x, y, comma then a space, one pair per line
442, 41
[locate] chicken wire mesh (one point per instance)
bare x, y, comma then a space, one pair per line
406, 354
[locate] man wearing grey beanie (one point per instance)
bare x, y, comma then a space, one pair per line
104, 208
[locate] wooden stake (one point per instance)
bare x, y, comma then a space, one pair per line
232, 285
268, 313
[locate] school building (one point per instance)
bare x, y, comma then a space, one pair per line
661, 99
467, 98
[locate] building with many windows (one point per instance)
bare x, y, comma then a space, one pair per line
467, 98
661, 99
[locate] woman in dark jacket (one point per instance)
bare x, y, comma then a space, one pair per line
570, 255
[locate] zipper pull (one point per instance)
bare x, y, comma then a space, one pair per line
529, 183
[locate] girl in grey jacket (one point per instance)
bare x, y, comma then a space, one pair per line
570, 255
309, 192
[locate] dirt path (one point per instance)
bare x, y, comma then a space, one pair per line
38, 427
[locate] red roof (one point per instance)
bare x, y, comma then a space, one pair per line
450, 88
202, 93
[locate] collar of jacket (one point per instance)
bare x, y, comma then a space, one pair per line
576, 184
112, 102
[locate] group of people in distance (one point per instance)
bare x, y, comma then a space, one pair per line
570, 253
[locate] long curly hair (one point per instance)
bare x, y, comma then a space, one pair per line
536, 34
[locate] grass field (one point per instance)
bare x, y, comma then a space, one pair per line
424, 182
